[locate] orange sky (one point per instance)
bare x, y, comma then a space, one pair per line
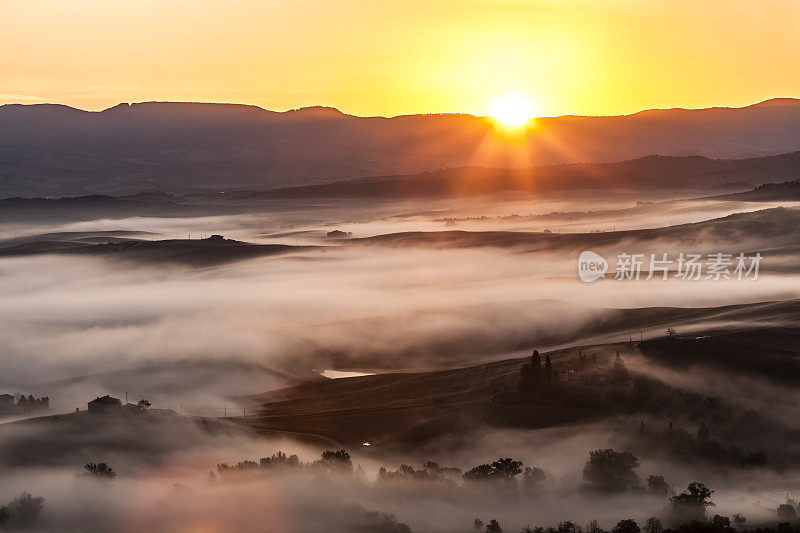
384, 57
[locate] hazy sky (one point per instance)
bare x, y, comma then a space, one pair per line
404, 56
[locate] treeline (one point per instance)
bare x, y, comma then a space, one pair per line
29, 402
26, 403
611, 472
715, 524
430, 471
605, 472
331, 461
787, 183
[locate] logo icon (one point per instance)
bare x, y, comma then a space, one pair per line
591, 266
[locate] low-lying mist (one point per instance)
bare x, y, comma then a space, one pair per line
367, 309
199, 339
176, 491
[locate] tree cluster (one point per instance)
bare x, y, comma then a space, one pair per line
611, 471
99, 471
30, 403
22, 512
430, 471
332, 461
502, 469
787, 512
532, 374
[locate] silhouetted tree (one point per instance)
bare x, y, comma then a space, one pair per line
143, 404
502, 469
619, 373
721, 523
653, 525
642, 430
691, 504
531, 373
626, 526
478, 473
280, 459
536, 366
246, 465
567, 527
607, 470
493, 527
548, 369
671, 332
477, 524
24, 510
786, 512
532, 478
507, 468
407, 472
338, 459
593, 527
739, 520
656, 485
99, 471
381, 522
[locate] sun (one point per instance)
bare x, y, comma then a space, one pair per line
511, 109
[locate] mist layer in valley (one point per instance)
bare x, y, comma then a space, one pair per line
229, 338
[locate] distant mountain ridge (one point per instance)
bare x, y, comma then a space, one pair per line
56, 150
649, 173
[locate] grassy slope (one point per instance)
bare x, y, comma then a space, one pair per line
395, 410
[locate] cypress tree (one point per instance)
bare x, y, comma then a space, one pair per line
548, 369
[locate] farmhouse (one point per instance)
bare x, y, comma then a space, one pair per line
104, 404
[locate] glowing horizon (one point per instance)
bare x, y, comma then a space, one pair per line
388, 59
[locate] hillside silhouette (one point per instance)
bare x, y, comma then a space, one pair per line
51, 150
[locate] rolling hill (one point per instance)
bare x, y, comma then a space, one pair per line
390, 410
769, 229
194, 252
